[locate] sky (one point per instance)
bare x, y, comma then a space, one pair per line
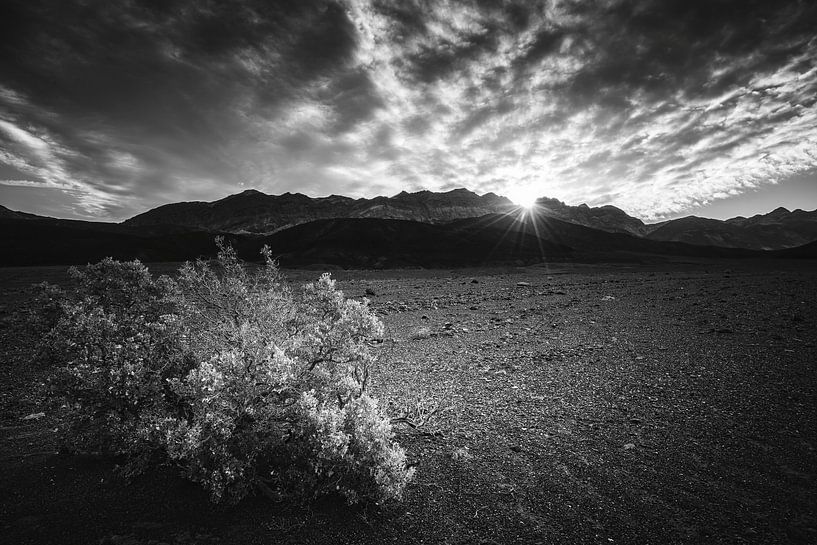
663, 108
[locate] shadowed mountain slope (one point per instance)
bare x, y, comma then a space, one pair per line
346, 242
586, 240
379, 243
806, 251
775, 230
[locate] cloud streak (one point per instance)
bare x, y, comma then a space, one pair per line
658, 107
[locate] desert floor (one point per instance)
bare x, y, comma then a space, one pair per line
662, 403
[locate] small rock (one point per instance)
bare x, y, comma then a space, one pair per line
33, 416
629, 446
370, 291
523, 284
516, 448
474, 281
461, 455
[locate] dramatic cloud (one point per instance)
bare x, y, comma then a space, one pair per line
656, 106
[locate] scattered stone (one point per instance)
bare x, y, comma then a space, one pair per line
629, 446
424, 317
422, 333
371, 292
523, 284
448, 325
516, 448
462, 455
608, 298
33, 416
474, 281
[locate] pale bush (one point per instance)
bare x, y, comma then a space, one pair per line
230, 375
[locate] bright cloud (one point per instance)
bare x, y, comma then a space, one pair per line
657, 107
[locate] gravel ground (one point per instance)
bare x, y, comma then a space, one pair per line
667, 403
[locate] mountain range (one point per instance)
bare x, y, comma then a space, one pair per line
253, 212
424, 229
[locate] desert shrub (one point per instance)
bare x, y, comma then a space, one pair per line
228, 374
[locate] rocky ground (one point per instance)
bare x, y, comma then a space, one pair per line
672, 403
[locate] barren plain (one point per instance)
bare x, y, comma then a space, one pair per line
658, 403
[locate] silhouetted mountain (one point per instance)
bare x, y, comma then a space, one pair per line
409, 229
5, 213
776, 230
255, 212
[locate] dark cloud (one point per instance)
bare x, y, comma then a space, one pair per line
354, 98
660, 46
442, 59
170, 82
546, 42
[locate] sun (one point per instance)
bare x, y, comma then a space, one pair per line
523, 196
